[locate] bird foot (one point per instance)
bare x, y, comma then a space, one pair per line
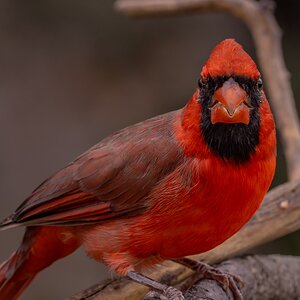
173, 294
170, 293
161, 291
228, 281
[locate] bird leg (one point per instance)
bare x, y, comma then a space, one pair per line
208, 272
169, 292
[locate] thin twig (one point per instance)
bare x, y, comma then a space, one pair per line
280, 212
258, 16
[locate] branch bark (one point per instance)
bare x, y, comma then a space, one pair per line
278, 216
268, 277
258, 16
280, 212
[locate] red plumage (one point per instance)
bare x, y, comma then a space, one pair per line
155, 190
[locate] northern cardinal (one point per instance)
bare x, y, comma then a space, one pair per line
178, 184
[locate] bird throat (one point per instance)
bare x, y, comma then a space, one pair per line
232, 142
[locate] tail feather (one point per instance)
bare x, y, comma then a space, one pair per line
12, 291
5, 266
12, 282
39, 249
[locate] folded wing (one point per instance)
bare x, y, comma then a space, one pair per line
111, 179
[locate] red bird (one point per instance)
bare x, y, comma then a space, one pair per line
174, 185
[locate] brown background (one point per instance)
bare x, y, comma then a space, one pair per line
72, 72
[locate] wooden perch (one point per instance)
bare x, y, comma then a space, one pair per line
267, 277
280, 212
258, 16
278, 216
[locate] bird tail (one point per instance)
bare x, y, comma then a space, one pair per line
12, 282
39, 249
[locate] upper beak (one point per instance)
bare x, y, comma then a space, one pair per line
230, 104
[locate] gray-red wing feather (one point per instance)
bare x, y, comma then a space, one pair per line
109, 180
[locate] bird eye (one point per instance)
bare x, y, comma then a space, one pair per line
200, 83
259, 83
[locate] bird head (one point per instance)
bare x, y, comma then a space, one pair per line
230, 95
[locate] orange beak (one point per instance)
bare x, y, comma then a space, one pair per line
230, 104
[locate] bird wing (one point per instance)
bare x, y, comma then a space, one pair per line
109, 180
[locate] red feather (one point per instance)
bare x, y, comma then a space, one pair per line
152, 191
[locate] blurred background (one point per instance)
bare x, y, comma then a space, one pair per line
71, 72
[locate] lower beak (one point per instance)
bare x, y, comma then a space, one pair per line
230, 104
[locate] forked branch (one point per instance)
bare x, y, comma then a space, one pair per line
280, 212
258, 16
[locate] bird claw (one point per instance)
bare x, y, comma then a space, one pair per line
228, 281
170, 293
153, 295
173, 293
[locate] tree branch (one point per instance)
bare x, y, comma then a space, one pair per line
258, 16
268, 277
280, 212
278, 216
